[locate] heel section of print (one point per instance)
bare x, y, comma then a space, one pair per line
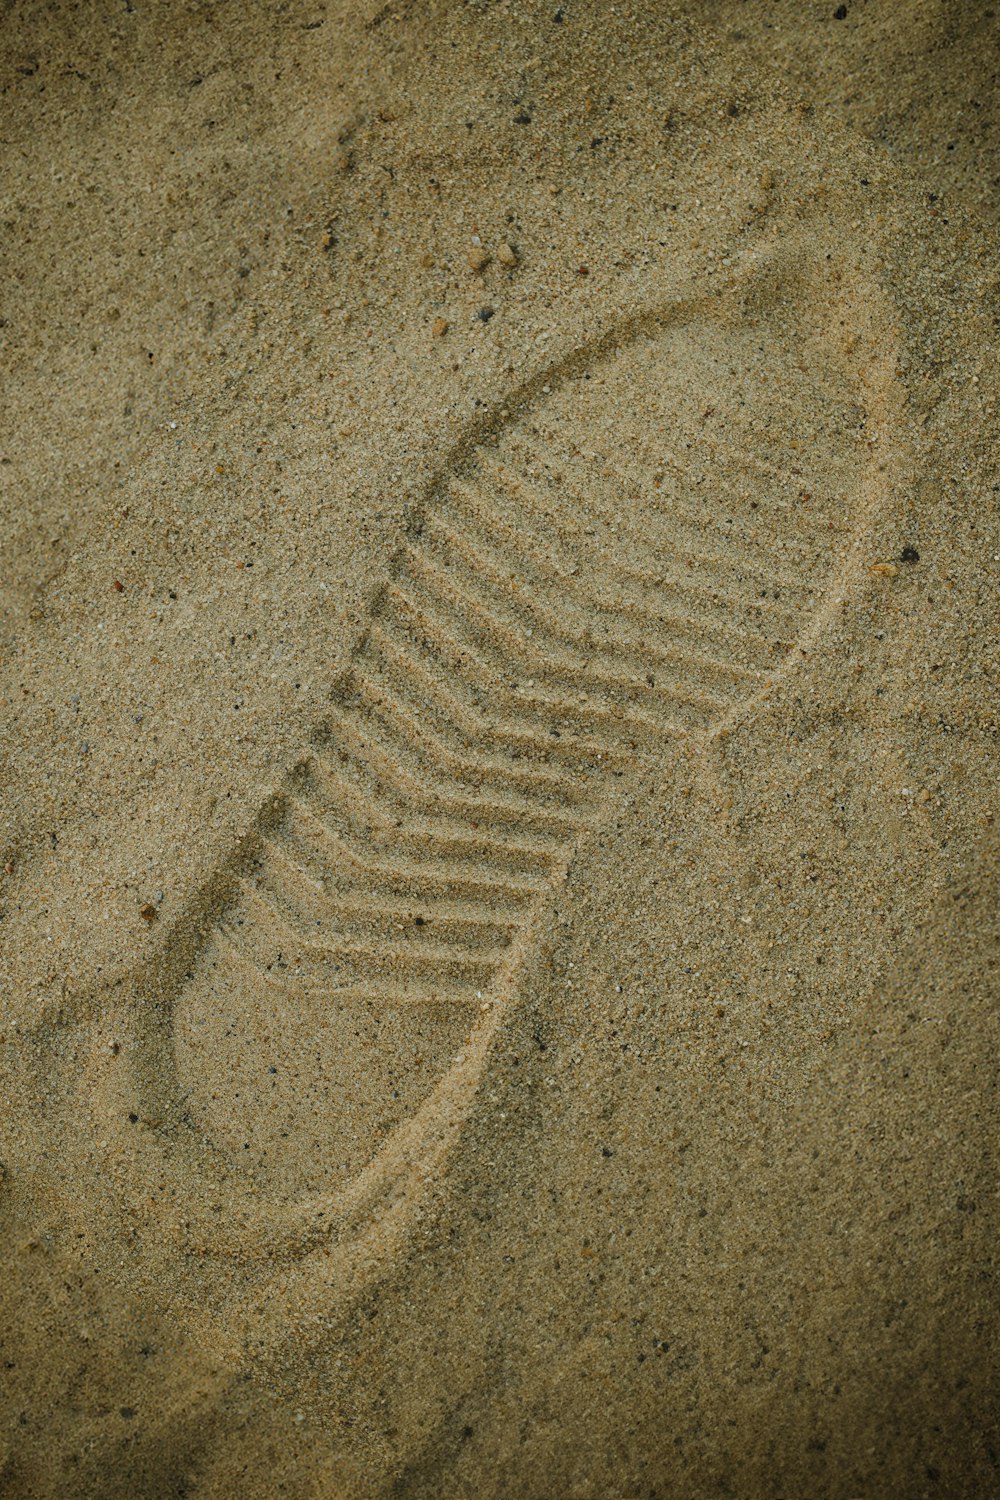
656, 531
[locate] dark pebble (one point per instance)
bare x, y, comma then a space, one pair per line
522, 118
484, 314
909, 554
840, 14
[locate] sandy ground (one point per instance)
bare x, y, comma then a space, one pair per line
497, 717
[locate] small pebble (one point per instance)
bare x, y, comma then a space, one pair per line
439, 328
479, 258
148, 913
507, 256
484, 314
909, 555
884, 570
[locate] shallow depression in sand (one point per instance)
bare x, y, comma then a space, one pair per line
621, 565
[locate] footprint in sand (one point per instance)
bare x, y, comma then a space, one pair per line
648, 534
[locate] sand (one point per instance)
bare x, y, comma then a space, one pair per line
497, 707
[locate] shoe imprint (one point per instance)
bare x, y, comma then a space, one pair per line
561, 610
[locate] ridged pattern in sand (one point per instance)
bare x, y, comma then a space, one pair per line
625, 562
